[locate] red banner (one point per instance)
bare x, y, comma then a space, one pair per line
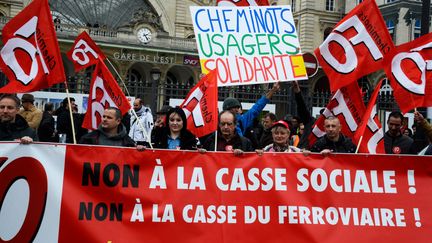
30, 57
242, 3
200, 106
106, 194
356, 46
104, 93
84, 52
409, 69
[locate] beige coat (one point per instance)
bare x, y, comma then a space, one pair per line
33, 117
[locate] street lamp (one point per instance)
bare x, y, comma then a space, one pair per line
155, 74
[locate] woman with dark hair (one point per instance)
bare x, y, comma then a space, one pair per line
175, 135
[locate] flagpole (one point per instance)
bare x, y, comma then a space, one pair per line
215, 148
358, 145
133, 111
70, 113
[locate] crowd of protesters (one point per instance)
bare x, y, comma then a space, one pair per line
237, 131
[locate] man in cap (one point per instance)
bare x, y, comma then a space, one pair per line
12, 125
29, 112
244, 121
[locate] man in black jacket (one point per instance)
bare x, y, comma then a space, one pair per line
227, 137
46, 129
394, 141
111, 131
334, 141
12, 125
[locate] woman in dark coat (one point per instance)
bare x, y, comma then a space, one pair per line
175, 134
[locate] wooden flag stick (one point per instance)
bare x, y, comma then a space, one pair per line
133, 111
358, 145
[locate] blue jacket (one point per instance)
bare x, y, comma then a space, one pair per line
245, 120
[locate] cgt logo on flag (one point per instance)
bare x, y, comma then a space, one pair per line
30, 57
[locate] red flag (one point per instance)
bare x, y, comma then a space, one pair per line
356, 46
409, 69
84, 52
104, 93
347, 105
242, 3
200, 106
30, 57
373, 137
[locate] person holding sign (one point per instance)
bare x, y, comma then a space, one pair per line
333, 141
227, 137
244, 121
281, 133
175, 135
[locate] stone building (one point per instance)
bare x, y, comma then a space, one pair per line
150, 44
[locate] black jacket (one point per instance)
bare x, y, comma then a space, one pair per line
188, 141
18, 129
237, 142
46, 128
398, 145
99, 137
343, 145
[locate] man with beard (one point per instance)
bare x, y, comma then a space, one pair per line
394, 141
12, 125
141, 128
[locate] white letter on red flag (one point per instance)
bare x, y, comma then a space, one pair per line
356, 46
200, 106
31, 57
84, 52
408, 69
104, 93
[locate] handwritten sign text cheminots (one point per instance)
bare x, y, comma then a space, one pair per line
248, 45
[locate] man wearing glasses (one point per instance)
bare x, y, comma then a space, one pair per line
227, 137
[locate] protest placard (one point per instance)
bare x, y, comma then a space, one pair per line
248, 45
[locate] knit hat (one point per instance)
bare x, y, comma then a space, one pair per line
230, 103
27, 98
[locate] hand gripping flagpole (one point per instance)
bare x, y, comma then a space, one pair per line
70, 113
133, 111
